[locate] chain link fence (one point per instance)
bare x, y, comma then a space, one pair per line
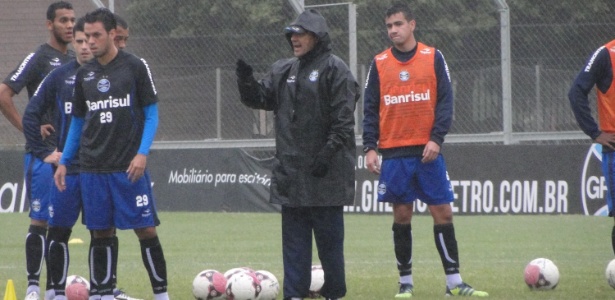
192, 46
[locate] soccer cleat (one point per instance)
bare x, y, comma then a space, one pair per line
405, 291
120, 295
32, 296
465, 290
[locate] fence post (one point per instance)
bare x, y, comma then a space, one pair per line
506, 70
218, 103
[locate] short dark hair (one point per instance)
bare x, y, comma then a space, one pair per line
103, 15
120, 21
51, 10
79, 25
400, 8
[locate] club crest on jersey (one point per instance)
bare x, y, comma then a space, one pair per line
290, 79
103, 85
404, 75
55, 62
314, 76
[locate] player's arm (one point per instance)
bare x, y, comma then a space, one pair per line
39, 104
443, 110
596, 72
8, 107
444, 103
12, 85
371, 118
139, 162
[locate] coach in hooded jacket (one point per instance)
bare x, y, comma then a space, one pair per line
313, 96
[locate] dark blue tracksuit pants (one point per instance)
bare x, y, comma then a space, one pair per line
327, 223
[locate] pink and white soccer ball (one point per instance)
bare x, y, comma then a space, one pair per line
77, 288
541, 274
318, 280
270, 287
233, 271
243, 286
77, 279
209, 285
610, 273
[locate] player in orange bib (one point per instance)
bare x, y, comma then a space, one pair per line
408, 111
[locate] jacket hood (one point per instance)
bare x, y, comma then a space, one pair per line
311, 20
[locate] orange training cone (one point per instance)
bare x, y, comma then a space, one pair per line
10, 291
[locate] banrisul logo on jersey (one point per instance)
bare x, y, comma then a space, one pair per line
593, 185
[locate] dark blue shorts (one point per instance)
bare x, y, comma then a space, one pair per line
65, 206
111, 200
608, 170
39, 181
405, 179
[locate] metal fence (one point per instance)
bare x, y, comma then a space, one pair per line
192, 46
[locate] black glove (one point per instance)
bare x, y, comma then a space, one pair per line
320, 165
243, 70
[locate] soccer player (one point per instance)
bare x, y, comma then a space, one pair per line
598, 72
29, 74
57, 86
314, 96
115, 116
121, 32
54, 95
408, 111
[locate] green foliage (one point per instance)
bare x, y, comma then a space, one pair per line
493, 252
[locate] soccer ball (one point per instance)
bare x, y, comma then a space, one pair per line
318, 279
610, 273
77, 288
208, 285
270, 287
243, 286
541, 274
77, 279
234, 271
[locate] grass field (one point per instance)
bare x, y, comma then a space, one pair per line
493, 252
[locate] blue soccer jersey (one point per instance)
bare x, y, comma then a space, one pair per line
53, 95
31, 72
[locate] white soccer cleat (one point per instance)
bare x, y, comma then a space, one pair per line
32, 296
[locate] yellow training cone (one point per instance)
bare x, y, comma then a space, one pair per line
10, 291
75, 241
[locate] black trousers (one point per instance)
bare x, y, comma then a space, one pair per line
327, 224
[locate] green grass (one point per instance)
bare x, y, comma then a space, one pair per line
493, 252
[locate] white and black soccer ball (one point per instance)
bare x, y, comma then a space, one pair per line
318, 280
610, 273
77, 279
243, 286
541, 274
233, 271
270, 287
209, 285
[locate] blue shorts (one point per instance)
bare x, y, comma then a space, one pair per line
405, 179
608, 170
65, 206
111, 200
39, 181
